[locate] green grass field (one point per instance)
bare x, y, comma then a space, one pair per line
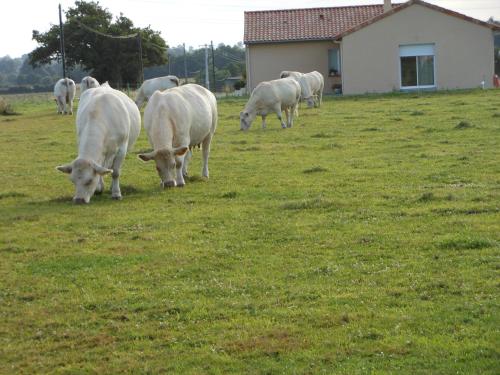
364, 240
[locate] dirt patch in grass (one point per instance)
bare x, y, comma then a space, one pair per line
315, 169
309, 204
463, 125
230, 195
272, 344
321, 135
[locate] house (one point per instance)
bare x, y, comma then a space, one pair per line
372, 48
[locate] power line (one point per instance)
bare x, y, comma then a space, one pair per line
102, 34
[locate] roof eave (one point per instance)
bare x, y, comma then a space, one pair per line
326, 39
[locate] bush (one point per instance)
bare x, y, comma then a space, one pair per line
6, 109
239, 84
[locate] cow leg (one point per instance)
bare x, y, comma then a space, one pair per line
293, 110
287, 114
63, 101
205, 148
263, 121
277, 109
179, 180
71, 107
100, 186
60, 105
187, 159
117, 164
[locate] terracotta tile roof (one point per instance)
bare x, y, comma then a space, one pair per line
305, 24
276, 26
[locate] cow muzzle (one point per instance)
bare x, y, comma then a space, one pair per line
79, 200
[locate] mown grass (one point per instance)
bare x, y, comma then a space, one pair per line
363, 240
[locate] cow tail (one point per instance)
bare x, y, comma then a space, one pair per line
67, 90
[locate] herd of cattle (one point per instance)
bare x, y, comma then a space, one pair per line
176, 119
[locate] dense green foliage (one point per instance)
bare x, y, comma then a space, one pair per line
363, 240
108, 59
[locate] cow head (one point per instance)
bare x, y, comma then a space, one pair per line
85, 176
310, 101
175, 80
246, 119
167, 160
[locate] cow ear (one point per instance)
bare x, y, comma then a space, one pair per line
65, 168
101, 170
147, 156
175, 80
179, 151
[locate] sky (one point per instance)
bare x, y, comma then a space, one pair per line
194, 22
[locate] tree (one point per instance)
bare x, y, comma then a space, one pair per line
87, 32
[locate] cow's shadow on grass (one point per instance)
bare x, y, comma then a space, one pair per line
128, 192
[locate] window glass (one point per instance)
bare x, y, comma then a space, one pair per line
426, 70
408, 71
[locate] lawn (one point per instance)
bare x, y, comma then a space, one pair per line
365, 239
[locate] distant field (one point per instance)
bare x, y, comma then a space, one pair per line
364, 240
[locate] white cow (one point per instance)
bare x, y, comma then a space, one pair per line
64, 91
272, 96
108, 123
149, 86
311, 84
88, 82
176, 120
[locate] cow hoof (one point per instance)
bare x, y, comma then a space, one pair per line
180, 185
117, 197
79, 201
168, 184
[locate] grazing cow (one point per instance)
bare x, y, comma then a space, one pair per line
176, 120
272, 96
88, 82
108, 123
149, 86
311, 85
64, 91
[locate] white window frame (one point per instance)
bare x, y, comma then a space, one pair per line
416, 50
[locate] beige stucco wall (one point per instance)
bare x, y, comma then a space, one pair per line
266, 61
464, 54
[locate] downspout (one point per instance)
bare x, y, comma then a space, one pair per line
387, 5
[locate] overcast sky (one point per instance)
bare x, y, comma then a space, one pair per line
194, 22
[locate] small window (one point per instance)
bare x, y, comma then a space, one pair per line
334, 62
417, 66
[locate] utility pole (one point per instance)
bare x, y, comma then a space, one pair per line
207, 80
169, 58
139, 41
185, 64
213, 66
61, 40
